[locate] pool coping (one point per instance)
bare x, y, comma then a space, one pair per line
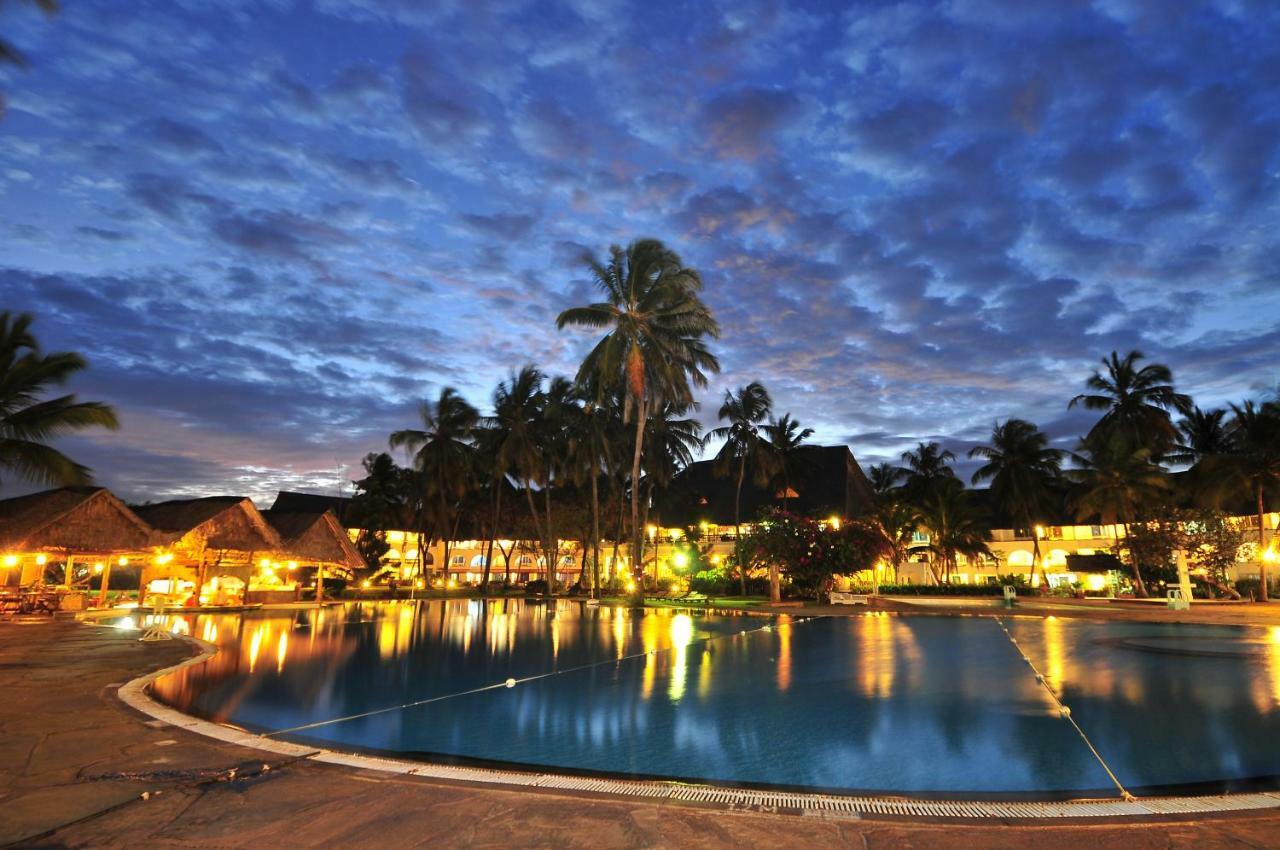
136, 694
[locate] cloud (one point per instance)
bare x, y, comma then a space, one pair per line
744, 123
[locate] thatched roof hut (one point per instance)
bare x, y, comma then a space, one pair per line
315, 538
72, 520
223, 529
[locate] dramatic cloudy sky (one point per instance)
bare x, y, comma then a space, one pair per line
273, 227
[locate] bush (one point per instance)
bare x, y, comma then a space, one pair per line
1249, 588
941, 590
718, 582
535, 586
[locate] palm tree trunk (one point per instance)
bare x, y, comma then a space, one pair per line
1262, 542
552, 545
1139, 588
595, 537
1036, 559
637, 535
533, 511
737, 526
493, 533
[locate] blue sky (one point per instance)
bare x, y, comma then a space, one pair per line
273, 227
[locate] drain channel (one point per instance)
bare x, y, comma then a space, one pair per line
1063, 709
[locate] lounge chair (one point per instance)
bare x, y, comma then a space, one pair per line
841, 597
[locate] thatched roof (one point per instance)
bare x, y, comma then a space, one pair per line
217, 522
315, 537
72, 519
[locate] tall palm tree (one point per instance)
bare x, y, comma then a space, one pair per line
1023, 471
589, 455
517, 417
786, 438
884, 477
1114, 483
444, 456
744, 447
1137, 401
557, 411
955, 528
28, 420
896, 523
927, 471
656, 341
1253, 461
1201, 433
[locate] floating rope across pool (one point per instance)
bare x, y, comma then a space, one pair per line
1063, 709
511, 683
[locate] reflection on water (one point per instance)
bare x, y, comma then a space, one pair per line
867, 702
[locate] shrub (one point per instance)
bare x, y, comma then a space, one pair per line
535, 586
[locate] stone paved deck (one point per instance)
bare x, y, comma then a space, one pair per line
75, 764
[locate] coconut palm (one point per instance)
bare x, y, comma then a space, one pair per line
28, 420
786, 438
558, 409
896, 523
927, 471
883, 478
443, 454
1138, 403
656, 341
1114, 482
1201, 434
744, 447
1023, 472
955, 528
588, 456
517, 417
1252, 461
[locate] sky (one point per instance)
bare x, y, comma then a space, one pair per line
275, 227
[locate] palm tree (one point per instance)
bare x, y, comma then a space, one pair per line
27, 423
884, 477
896, 523
955, 528
743, 446
1201, 433
443, 455
1022, 470
1253, 461
656, 341
557, 411
1137, 402
786, 438
589, 454
927, 471
1114, 482
517, 416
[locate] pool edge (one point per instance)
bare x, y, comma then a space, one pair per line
136, 695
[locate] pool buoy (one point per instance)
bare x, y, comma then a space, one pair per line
1064, 711
1040, 679
511, 683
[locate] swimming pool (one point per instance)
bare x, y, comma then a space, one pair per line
921, 705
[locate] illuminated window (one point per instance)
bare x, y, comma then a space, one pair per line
1020, 558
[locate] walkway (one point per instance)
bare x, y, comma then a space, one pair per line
78, 769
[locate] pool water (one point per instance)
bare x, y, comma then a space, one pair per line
924, 705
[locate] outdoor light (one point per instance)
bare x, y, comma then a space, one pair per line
681, 560
631, 586
41, 560
265, 563
164, 558
366, 584
1040, 531
652, 529
835, 523
1270, 556
293, 565
97, 568
421, 584
11, 560
124, 561
450, 583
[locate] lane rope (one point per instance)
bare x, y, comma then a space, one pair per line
1063, 709
512, 682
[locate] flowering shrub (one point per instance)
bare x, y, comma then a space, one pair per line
809, 554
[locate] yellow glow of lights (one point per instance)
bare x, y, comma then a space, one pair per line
98, 567
1040, 531
631, 587
123, 561
1096, 581
681, 560
165, 558
835, 523
41, 560
293, 565
421, 584
265, 563
715, 559
11, 560
366, 584
653, 531
451, 583
1270, 556
675, 587
675, 534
